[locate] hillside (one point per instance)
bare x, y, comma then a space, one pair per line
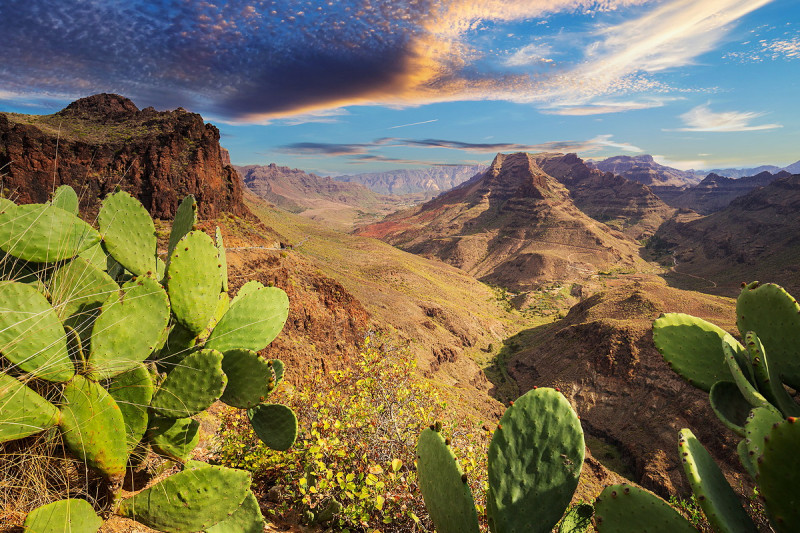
756, 237
430, 181
644, 169
601, 356
103, 141
327, 200
513, 226
716, 192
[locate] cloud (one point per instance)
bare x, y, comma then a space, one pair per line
531, 54
603, 107
773, 49
681, 164
701, 118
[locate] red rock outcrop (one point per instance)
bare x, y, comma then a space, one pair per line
103, 141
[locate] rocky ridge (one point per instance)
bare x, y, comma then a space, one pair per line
644, 169
431, 180
101, 142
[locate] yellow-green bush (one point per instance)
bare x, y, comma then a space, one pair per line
356, 445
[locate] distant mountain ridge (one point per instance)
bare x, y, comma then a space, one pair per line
645, 170
794, 168
433, 180
717, 192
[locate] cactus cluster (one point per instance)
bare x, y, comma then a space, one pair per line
535, 459
113, 350
747, 391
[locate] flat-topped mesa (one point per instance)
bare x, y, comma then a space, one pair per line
518, 176
103, 141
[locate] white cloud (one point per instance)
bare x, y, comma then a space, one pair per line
604, 106
701, 118
531, 54
685, 164
606, 142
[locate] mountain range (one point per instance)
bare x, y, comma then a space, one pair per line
645, 170
430, 181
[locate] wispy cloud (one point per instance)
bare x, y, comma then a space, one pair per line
413, 124
681, 164
768, 50
701, 118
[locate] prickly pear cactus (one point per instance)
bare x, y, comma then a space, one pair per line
106, 345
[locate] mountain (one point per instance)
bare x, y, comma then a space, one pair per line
424, 180
620, 203
742, 172
601, 355
716, 192
644, 169
103, 141
340, 203
514, 226
757, 236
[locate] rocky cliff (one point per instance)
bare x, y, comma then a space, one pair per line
716, 192
103, 141
432, 180
644, 169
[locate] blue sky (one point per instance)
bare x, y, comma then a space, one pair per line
358, 86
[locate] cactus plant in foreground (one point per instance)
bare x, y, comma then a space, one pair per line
106, 350
535, 460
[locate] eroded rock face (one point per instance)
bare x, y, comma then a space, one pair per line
602, 357
103, 141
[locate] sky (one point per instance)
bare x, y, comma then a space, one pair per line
344, 87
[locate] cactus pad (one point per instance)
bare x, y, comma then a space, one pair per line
692, 348
625, 508
189, 501
193, 280
250, 378
252, 321
729, 405
129, 234
223, 259
31, 336
192, 386
278, 369
757, 429
128, 329
578, 519
133, 391
767, 379
63, 516
733, 353
174, 438
779, 476
185, 219
717, 499
65, 198
180, 342
93, 427
246, 519
447, 495
275, 425
22, 411
44, 233
535, 460
78, 285
774, 315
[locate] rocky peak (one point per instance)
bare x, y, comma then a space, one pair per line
104, 108
517, 175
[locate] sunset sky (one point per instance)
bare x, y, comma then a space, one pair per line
357, 86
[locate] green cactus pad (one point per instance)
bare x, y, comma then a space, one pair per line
63, 516
625, 508
192, 386
129, 234
717, 499
247, 288
447, 495
768, 381
760, 422
93, 427
223, 259
578, 519
193, 280
22, 411
207, 495
779, 476
692, 347
535, 460
774, 316
223, 303
745, 459
96, 256
180, 343
733, 353
65, 198
246, 519
31, 336
729, 405
250, 378
133, 391
128, 329
44, 233
6, 204
275, 425
252, 321
174, 438
78, 285
278, 370
185, 219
